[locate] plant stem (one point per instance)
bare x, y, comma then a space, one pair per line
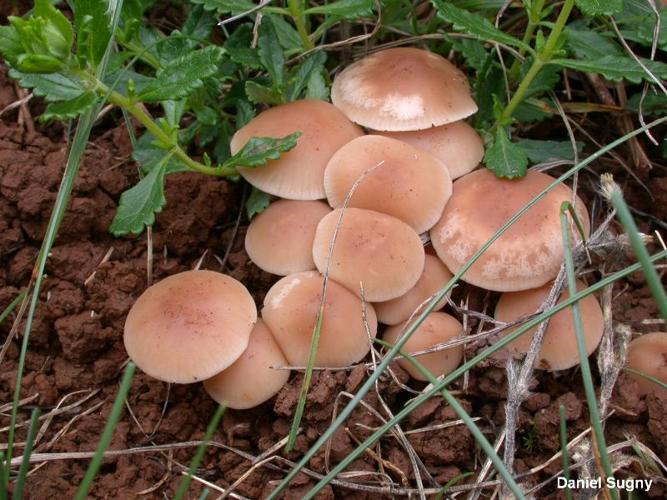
541, 58
296, 10
534, 17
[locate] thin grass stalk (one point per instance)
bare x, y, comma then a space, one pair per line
441, 494
623, 213
418, 401
199, 454
107, 433
565, 456
434, 301
12, 305
470, 423
586, 375
25, 464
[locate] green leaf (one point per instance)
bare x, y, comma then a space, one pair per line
317, 87
504, 158
182, 75
616, 68
529, 111
638, 22
52, 87
38, 63
288, 36
541, 151
344, 9
139, 204
300, 76
473, 51
545, 80
257, 202
271, 53
261, 94
68, 110
589, 44
489, 88
92, 30
259, 150
238, 47
226, 6
58, 31
147, 154
10, 43
199, 24
653, 104
475, 25
599, 7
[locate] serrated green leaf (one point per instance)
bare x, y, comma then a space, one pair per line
52, 87
199, 24
545, 80
10, 43
289, 37
226, 6
238, 47
616, 68
92, 30
299, 77
182, 75
58, 26
504, 158
261, 94
475, 25
317, 87
599, 7
638, 23
68, 110
257, 202
589, 44
473, 51
530, 111
258, 150
541, 151
344, 9
488, 88
139, 204
271, 53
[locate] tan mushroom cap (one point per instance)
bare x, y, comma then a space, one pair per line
559, 347
457, 145
648, 354
290, 310
434, 276
404, 182
528, 254
251, 379
280, 239
298, 174
378, 250
189, 326
436, 329
403, 89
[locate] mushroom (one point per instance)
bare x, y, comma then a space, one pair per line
457, 145
434, 276
298, 174
280, 239
528, 254
402, 89
648, 354
189, 326
559, 347
401, 181
291, 308
252, 378
436, 328
374, 249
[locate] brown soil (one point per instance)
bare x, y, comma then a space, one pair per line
76, 352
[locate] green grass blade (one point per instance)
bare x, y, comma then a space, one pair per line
107, 433
204, 494
646, 376
472, 426
415, 403
344, 414
199, 454
624, 215
25, 463
589, 387
565, 456
8, 310
441, 494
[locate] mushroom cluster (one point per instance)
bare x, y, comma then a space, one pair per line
383, 156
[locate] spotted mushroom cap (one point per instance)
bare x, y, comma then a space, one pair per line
404, 182
559, 347
648, 354
374, 249
298, 174
528, 254
291, 308
189, 326
402, 89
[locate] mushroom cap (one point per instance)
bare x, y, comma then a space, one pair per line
434, 276
290, 310
251, 379
559, 348
280, 239
528, 254
648, 354
410, 184
189, 326
378, 250
437, 328
402, 89
457, 145
298, 174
